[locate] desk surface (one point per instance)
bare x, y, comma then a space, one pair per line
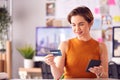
74, 79
92, 79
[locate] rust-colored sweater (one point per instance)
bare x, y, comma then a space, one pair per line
77, 58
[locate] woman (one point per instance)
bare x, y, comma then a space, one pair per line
77, 52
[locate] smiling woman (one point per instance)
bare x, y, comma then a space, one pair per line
79, 50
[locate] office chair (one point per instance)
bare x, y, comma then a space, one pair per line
46, 71
114, 70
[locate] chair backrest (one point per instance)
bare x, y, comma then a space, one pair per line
46, 71
114, 70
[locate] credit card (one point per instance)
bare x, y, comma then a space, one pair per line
56, 52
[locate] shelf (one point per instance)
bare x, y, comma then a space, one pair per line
6, 60
31, 70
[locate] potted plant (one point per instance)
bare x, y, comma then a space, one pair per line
27, 52
5, 21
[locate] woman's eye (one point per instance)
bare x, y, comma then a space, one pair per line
73, 25
81, 24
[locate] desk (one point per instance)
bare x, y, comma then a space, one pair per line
92, 79
29, 73
73, 79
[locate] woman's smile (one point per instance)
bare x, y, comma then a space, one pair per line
79, 33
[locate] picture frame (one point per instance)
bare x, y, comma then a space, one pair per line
116, 41
50, 9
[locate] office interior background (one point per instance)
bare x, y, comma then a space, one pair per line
29, 14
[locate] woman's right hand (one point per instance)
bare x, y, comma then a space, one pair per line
49, 59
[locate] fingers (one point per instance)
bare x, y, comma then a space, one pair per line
49, 56
49, 59
97, 70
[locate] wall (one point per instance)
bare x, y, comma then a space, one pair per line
27, 14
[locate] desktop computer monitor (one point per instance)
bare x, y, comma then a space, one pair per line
49, 38
116, 41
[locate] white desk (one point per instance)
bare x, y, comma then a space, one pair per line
73, 79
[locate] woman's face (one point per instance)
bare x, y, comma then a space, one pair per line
80, 26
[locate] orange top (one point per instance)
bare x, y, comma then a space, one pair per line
77, 58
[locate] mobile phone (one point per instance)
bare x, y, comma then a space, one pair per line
93, 63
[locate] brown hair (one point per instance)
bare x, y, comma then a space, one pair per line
82, 11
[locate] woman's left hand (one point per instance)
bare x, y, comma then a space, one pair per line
98, 70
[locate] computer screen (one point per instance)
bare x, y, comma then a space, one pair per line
116, 41
49, 38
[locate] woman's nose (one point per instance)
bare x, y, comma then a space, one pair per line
77, 28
